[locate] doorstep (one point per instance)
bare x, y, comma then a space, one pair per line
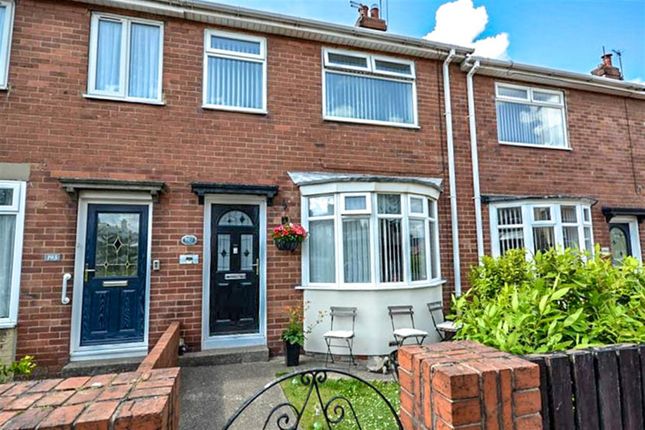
211, 357
101, 367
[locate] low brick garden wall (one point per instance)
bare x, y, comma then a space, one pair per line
146, 399
467, 386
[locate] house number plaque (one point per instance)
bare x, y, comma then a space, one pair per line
189, 240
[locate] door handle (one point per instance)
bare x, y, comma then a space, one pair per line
257, 266
87, 272
63, 295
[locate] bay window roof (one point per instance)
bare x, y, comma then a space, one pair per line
316, 178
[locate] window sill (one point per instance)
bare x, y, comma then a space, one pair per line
432, 284
4, 87
235, 109
126, 100
371, 122
7, 324
530, 145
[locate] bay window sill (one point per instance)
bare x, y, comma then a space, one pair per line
431, 284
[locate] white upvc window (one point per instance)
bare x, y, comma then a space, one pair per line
531, 116
235, 72
12, 220
126, 59
539, 226
6, 30
370, 239
369, 89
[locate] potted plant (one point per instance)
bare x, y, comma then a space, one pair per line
293, 336
288, 236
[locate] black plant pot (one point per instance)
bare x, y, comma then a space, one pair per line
286, 245
291, 354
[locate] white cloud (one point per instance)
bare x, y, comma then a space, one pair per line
459, 22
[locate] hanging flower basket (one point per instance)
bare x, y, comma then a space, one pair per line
288, 236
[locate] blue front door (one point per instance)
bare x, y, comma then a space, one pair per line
115, 272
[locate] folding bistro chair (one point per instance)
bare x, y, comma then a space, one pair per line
401, 334
445, 329
338, 337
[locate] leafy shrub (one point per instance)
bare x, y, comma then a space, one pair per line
23, 367
559, 300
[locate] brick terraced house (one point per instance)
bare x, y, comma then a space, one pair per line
147, 147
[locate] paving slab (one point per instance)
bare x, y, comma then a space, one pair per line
212, 394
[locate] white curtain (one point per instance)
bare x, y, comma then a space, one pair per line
360, 97
235, 45
537, 125
144, 61
7, 239
235, 83
391, 250
418, 257
108, 57
322, 251
356, 249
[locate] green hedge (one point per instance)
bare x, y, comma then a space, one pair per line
557, 301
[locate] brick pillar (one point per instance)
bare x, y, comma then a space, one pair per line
464, 385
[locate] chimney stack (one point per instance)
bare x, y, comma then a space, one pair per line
606, 69
370, 18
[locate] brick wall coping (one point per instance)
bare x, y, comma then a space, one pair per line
465, 385
165, 352
133, 400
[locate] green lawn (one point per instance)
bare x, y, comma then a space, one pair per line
372, 412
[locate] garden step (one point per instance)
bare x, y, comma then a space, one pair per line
100, 367
225, 356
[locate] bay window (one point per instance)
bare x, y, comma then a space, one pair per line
530, 116
12, 215
370, 239
539, 226
126, 59
6, 25
234, 72
369, 89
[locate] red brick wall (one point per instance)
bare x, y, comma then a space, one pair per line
47, 122
165, 352
603, 163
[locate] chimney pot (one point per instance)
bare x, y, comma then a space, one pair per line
374, 12
363, 10
606, 60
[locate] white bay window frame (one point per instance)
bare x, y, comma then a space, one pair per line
5, 42
372, 190
530, 100
124, 61
529, 222
260, 58
370, 71
17, 210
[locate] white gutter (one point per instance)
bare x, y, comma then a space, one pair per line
472, 125
456, 259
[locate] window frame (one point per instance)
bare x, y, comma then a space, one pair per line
222, 53
370, 72
532, 102
18, 210
5, 48
433, 260
528, 222
127, 22
368, 204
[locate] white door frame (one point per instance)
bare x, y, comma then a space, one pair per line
119, 350
233, 340
634, 233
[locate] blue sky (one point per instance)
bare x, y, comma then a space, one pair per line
563, 34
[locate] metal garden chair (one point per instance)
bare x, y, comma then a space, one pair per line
445, 329
341, 338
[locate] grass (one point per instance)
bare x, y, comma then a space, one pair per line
371, 411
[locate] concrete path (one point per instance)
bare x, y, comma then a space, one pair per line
211, 394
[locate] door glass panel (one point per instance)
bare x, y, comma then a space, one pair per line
619, 244
223, 252
117, 244
235, 219
246, 252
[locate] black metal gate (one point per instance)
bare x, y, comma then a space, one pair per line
335, 411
